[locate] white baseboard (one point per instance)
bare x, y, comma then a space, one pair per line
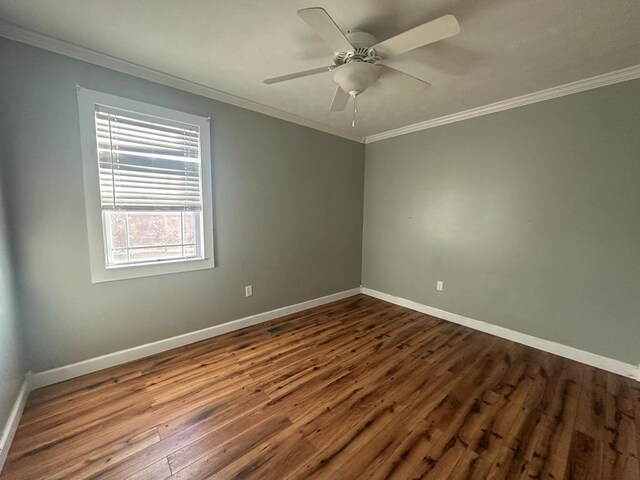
11, 426
67, 372
609, 364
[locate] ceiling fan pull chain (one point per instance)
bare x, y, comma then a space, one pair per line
355, 109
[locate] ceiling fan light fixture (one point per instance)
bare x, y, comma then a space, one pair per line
356, 76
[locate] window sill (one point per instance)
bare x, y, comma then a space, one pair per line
155, 263
124, 272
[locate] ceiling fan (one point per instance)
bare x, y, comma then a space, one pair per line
359, 59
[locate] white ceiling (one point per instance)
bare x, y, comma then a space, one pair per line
507, 48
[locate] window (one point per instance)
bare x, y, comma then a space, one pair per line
147, 176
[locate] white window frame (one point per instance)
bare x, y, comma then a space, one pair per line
100, 272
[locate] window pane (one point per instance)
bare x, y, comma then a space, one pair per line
189, 227
119, 257
152, 236
154, 228
155, 253
118, 221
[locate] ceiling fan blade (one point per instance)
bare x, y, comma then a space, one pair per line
340, 99
430, 32
291, 76
427, 84
318, 19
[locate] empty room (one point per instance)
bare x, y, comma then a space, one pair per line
390, 239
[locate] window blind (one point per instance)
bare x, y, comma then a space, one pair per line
147, 163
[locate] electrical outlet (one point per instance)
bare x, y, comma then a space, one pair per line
439, 285
248, 290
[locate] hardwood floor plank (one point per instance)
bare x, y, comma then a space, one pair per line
551, 454
203, 463
591, 407
213, 414
585, 458
89, 457
355, 389
213, 440
275, 458
634, 387
156, 471
620, 440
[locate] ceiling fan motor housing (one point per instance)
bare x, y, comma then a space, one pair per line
358, 38
362, 43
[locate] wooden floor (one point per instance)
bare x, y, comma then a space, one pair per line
357, 389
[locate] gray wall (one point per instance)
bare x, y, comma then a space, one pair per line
12, 365
531, 217
287, 214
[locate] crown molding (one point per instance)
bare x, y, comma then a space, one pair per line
617, 76
22, 35
19, 34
